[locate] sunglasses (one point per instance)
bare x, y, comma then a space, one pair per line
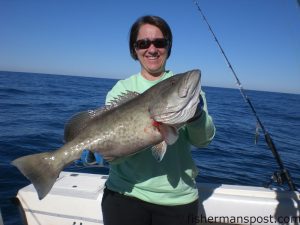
146, 43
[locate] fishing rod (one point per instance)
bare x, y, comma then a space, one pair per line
283, 174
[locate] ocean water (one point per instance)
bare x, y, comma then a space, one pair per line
34, 108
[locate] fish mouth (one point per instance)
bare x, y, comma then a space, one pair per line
185, 105
188, 92
190, 84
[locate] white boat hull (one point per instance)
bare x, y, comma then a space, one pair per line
76, 199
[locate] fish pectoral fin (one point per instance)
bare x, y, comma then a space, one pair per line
170, 136
159, 150
169, 133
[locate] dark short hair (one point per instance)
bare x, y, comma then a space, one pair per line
152, 20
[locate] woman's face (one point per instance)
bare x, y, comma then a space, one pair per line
153, 59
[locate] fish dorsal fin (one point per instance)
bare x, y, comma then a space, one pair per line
80, 121
122, 98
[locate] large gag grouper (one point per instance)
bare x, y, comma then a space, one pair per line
131, 123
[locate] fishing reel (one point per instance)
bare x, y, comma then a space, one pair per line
276, 178
280, 178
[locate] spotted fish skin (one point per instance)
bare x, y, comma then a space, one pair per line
131, 123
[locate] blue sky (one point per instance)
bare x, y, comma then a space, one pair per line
90, 38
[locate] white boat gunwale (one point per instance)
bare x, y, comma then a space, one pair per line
76, 198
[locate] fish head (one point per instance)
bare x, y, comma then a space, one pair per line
176, 98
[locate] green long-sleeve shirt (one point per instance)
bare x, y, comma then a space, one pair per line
171, 181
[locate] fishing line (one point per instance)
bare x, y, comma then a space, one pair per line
283, 174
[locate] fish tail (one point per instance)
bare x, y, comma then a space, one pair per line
41, 169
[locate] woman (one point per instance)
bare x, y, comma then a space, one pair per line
140, 190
